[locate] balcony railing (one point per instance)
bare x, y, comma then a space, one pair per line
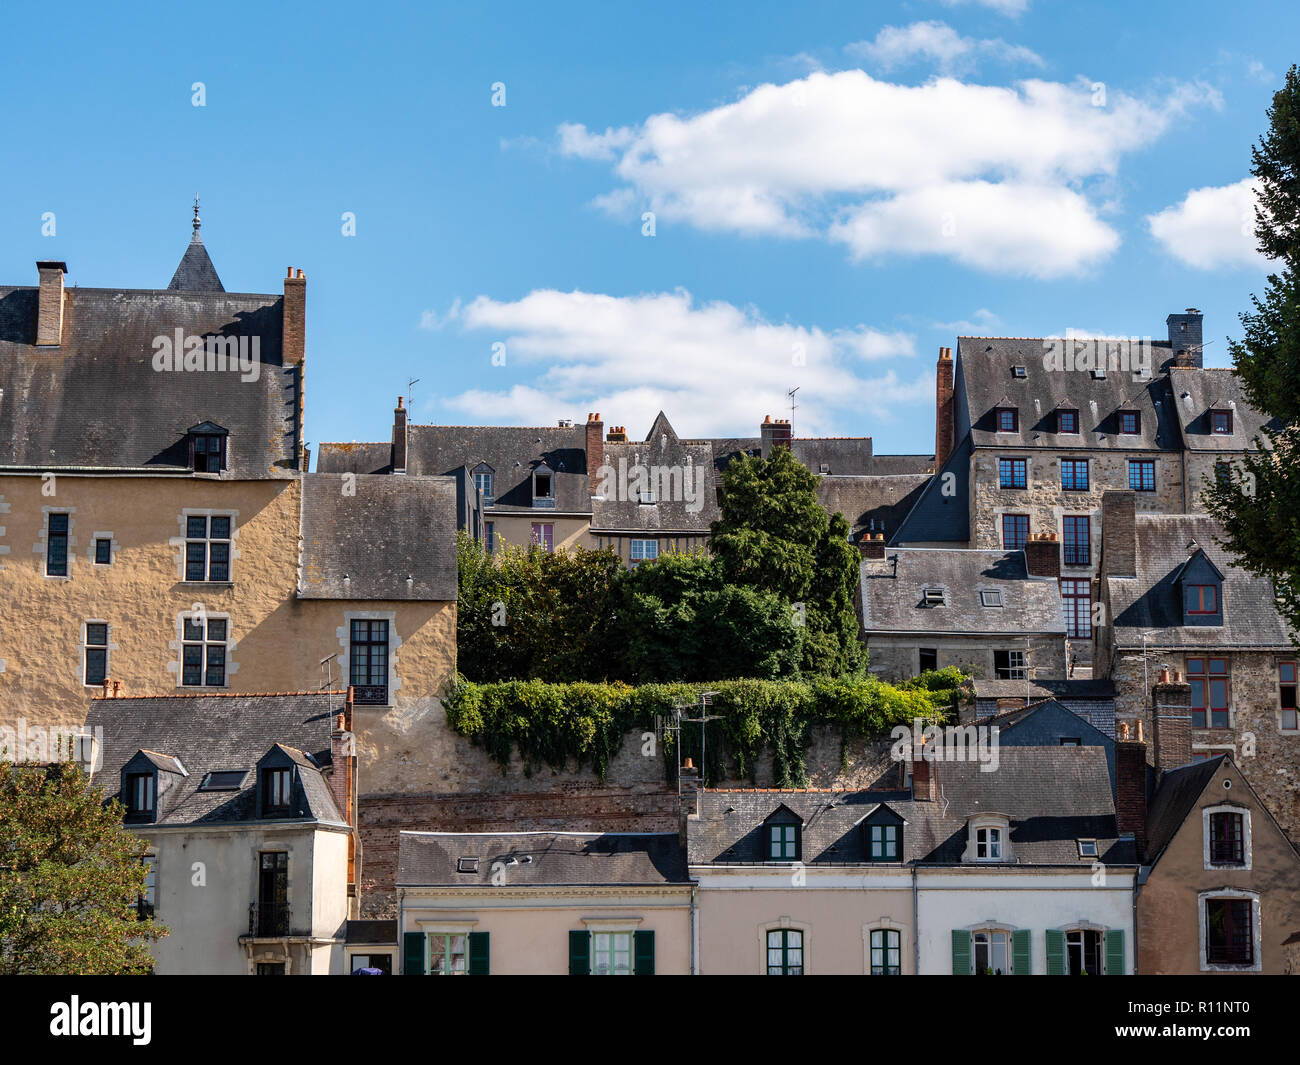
268, 919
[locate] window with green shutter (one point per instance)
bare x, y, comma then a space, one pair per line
413, 954
1020, 963
478, 954
643, 951
579, 953
1114, 952
1055, 952
960, 952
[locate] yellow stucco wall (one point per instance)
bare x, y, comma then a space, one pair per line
517, 529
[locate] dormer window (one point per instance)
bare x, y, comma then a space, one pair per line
1130, 422
208, 448
1008, 420
543, 486
1067, 421
277, 785
1019, 371
141, 796
1221, 422
988, 844
987, 838
882, 835
483, 482
933, 597
1202, 599
782, 837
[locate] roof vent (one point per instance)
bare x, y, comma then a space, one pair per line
1019, 371
1099, 374
467, 865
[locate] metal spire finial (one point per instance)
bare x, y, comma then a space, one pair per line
196, 239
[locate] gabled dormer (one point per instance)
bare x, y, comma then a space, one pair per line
279, 786
988, 838
781, 836
543, 485
1219, 420
208, 444
882, 834
484, 481
146, 778
1200, 584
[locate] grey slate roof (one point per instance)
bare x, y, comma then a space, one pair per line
354, 458
661, 449
429, 859
195, 272
842, 455
1053, 796
872, 503
1151, 600
366, 545
1063, 689
96, 400
896, 465
209, 733
893, 593
1175, 795
370, 933
940, 516
985, 380
1196, 392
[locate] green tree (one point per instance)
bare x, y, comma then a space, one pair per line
774, 536
70, 875
1260, 507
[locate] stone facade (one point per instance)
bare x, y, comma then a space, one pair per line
895, 658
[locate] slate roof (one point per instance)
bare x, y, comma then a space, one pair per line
871, 503
195, 272
354, 458
1175, 795
896, 465
366, 545
370, 933
985, 379
892, 593
1197, 392
661, 448
429, 859
1053, 796
210, 733
97, 402
1151, 600
938, 516
843, 456
1044, 689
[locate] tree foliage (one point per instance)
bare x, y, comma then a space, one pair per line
70, 875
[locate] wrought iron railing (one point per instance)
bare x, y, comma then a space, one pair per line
268, 919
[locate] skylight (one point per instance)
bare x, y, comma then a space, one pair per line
991, 597
224, 780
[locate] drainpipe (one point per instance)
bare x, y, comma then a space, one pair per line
1137, 875
401, 941
695, 935
916, 930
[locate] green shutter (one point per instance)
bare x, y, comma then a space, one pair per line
413, 954
1114, 952
1055, 953
960, 953
478, 954
579, 954
643, 953
1020, 962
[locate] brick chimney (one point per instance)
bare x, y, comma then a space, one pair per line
49, 312
872, 545
924, 787
295, 318
689, 779
343, 781
1119, 533
616, 435
1043, 555
595, 450
1185, 333
399, 437
1171, 721
943, 409
1131, 791
772, 434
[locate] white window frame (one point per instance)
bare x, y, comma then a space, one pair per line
1226, 808
1229, 893
606, 943
634, 557
181, 643
984, 823
991, 931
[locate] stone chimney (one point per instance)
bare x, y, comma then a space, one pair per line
399, 437
772, 434
49, 312
1185, 343
1043, 555
943, 409
616, 435
872, 545
1119, 533
595, 449
689, 779
1171, 721
1131, 791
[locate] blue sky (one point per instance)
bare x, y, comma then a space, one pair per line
838, 189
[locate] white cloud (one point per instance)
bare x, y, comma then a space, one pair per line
1011, 8
980, 324
813, 156
1213, 227
576, 140
433, 321
937, 43
714, 368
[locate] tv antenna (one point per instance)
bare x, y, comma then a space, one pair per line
792, 402
410, 391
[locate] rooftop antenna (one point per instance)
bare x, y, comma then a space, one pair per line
410, 391
792, 402
328, 663
706, 700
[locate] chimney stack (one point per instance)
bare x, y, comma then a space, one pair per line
943, 409
1119, 533
924, 787
294, 321
595, 449
1171, 721
1043, 555
689, 781
1131, 792
399, 437
49, 311
616, 435
772, 434
872, 545
1185, 338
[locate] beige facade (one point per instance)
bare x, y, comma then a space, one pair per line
516, 529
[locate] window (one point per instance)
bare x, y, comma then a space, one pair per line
483, 482
1286, 679
611, 953
203, 647
1067, 421
1076, 597
645, 498
1009, 665
1202, 599
1142, 475
1074, 475
448, 954
543, 487
544, 536
277, 791
147, 903
1012, 473
1083, 949
988, 844
1130, 422
782, 843
990, 953
1221, 422
1227, 838
784, 952
644, 551
270, 968
1209, 680
489, 534
382, 962
1078, 548
272, 911
929, 659
933, 597
886, 952
882, 843
991, 597
96, 652
1087, 847
1071, 741
1019, 371
1229, 937
223, 780
207, 547
103, 552
368, 665
140, 795
1008, 420
209, 452
1015, 531
56, 545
